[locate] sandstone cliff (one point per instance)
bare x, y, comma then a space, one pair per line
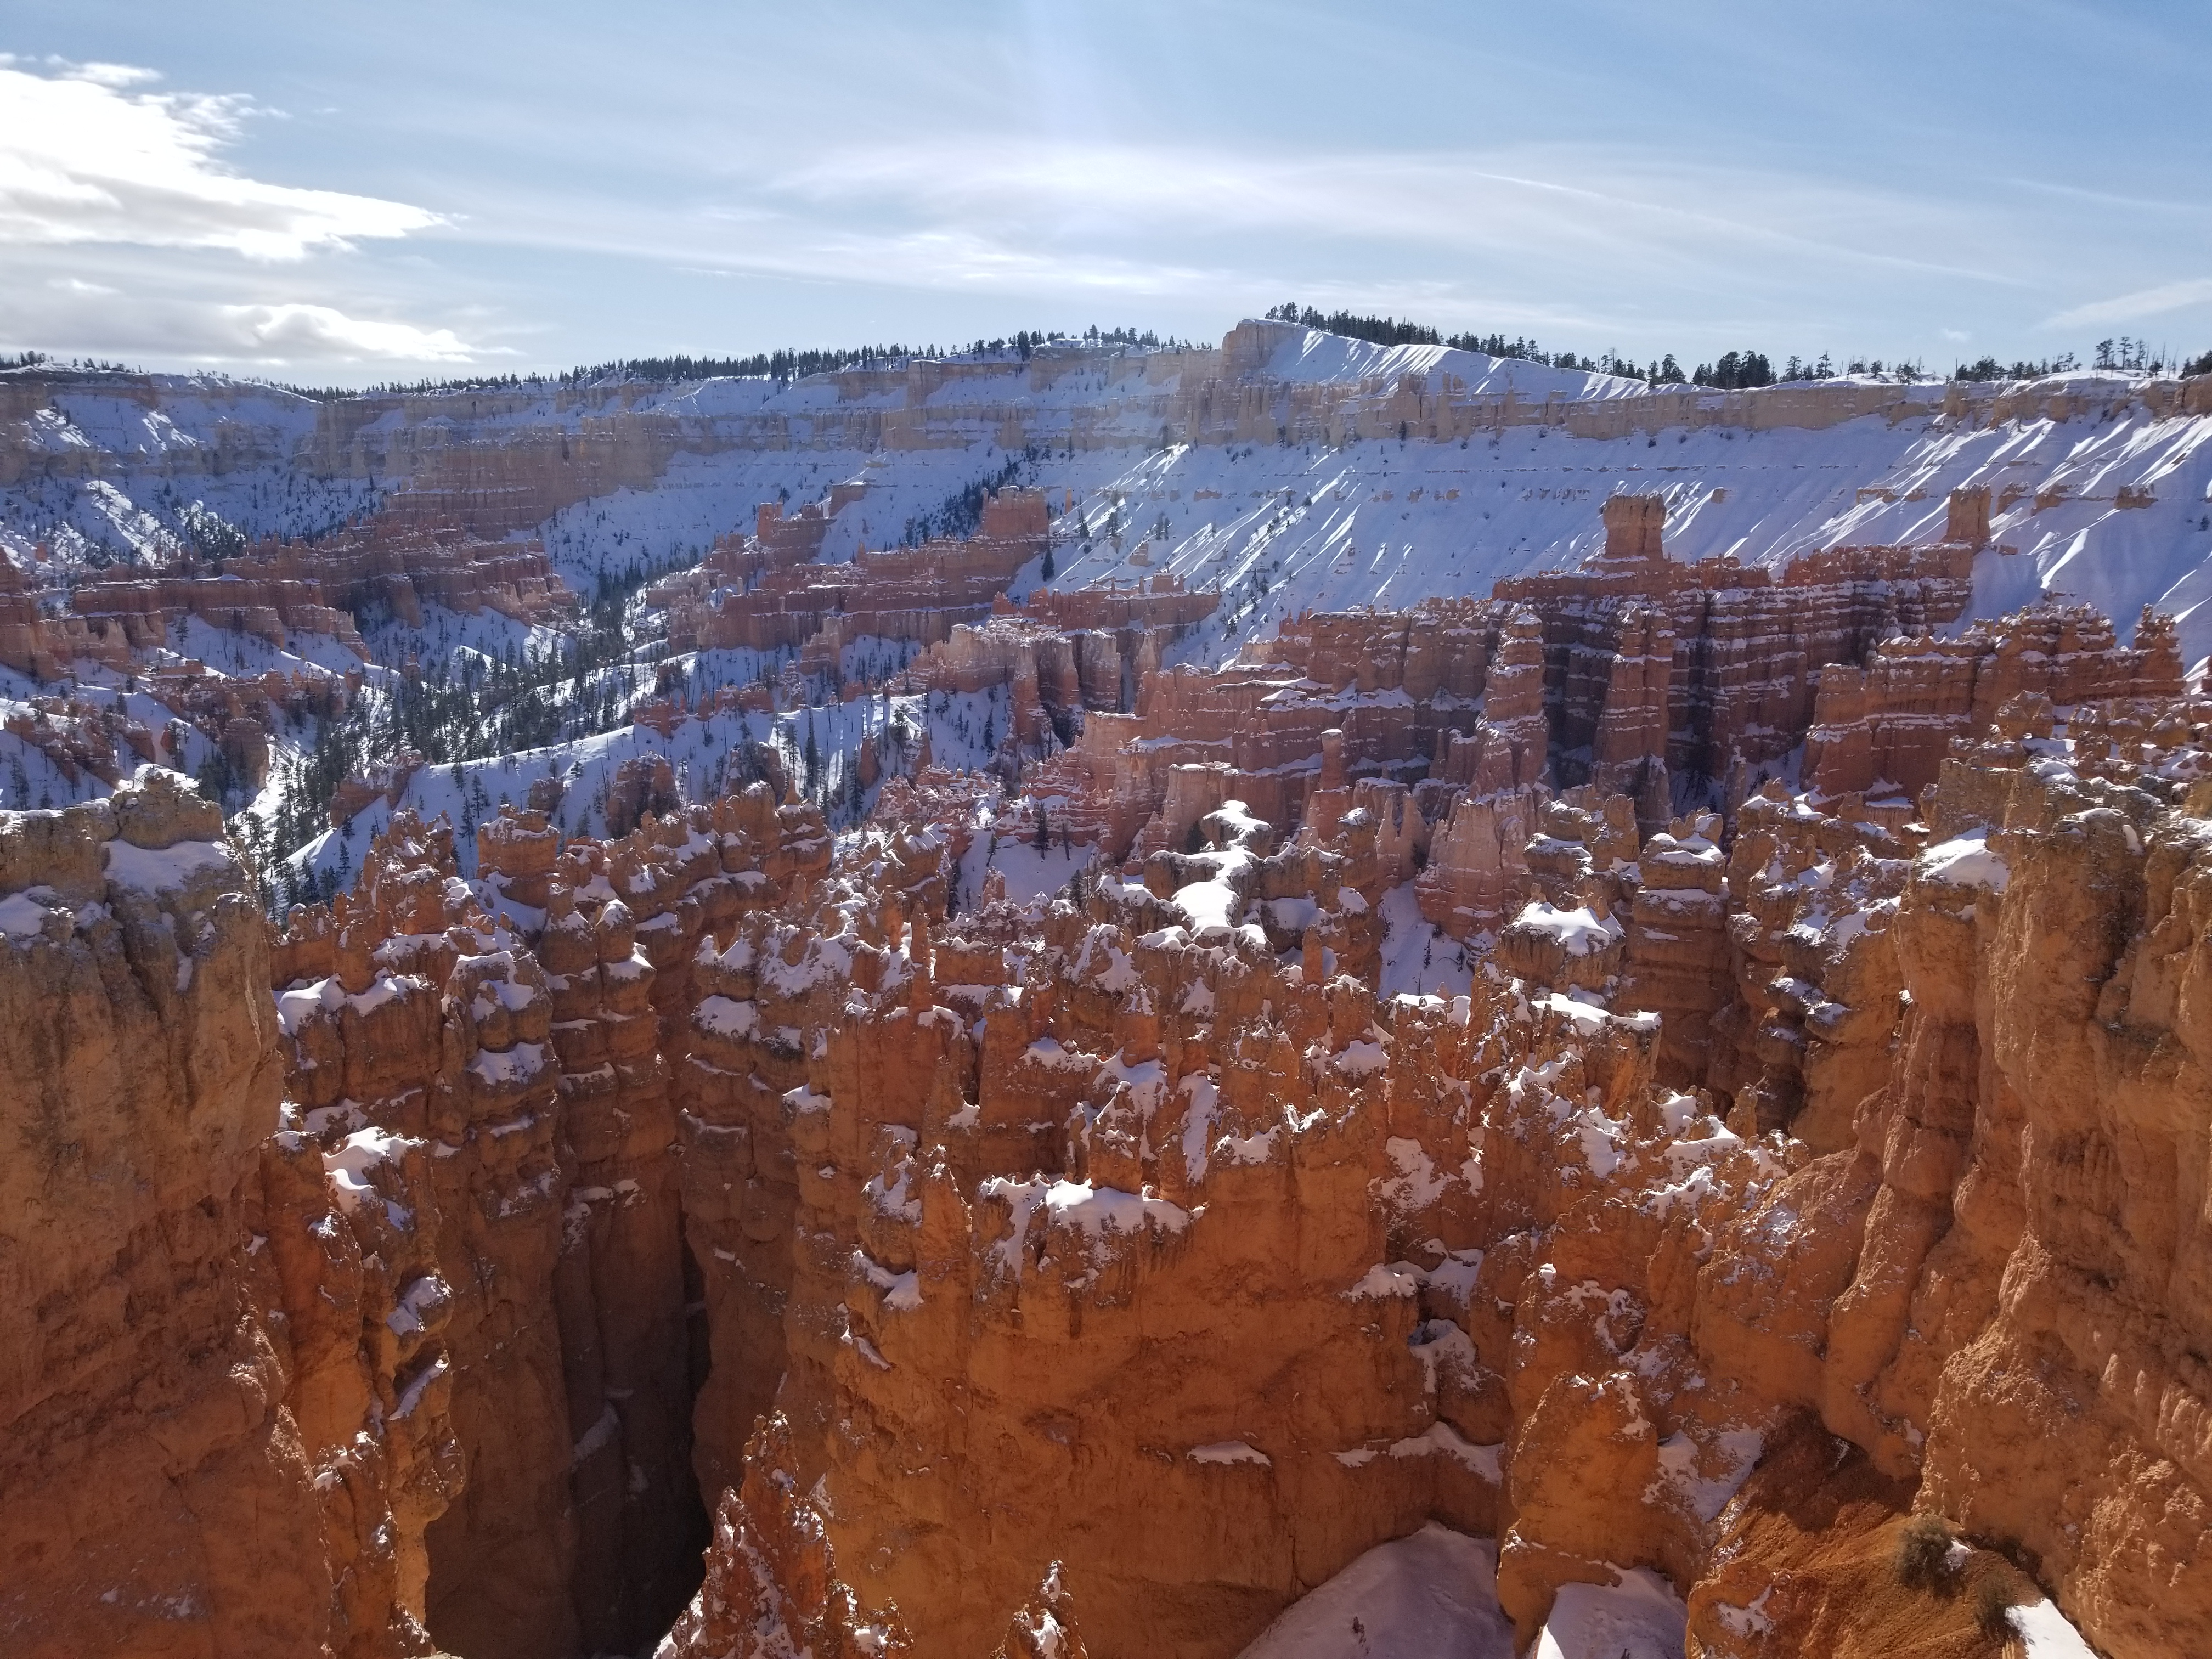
217, 1438
1134, 1249
1787, 1169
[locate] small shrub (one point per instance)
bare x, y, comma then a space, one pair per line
1992, 1601
1924, 1553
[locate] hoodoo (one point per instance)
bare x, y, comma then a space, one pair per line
1157, 1047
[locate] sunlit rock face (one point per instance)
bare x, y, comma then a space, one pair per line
1672, 1070
194, 1456
1133, 1222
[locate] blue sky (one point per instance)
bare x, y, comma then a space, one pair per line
351, 194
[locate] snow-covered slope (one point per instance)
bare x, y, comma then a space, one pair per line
2102, 492
1287, 529
1433, 1594
1310, 354
2109, 503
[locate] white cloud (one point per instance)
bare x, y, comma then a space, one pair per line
286, 333
137, 316
84, 161
1554, 202
104, 75
2145, 303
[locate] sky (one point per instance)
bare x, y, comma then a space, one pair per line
350, 195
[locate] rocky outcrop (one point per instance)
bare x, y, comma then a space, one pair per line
1705, 669
520, 1034
1779, 1178
1678, 685
274, 592
225, 1392
982, 1234
1886, 728
1061, 652
772, 1586
1738, 1155
761, 593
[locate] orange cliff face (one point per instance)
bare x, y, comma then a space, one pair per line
762, 593
1558, 1432
419, 1372
274, 591
532, 1059
1123, 1231
215, 1440
1627, 675
953, 1271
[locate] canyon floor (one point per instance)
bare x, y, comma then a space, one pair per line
1290, 999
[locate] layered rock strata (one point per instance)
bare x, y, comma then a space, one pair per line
1500, 1269
522, 1031
1681, 686
226, 1386
761, 592
272, 593
1781, 1172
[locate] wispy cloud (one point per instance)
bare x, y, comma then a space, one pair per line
2132, 307
100, 75
1155, 162
288, 333
121, 318
1556, 203
82, 159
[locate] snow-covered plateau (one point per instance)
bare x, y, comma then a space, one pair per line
1288, 470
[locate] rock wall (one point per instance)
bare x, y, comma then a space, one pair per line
217, 1438
522, 1032
1886, 727
1008, 1338
1678, 685
272, 592
358, 1317
1750, 1184
492, 462
1789, 1167
760, 593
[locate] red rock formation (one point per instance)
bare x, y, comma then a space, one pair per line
1627, 1328
385, 560
1770, 1179
139, 614
1887, 726
761, 593
772, 1586
542, 1093
79, 735
1079, 650
1732, 681
274, 591
221, 1432
1636, 675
